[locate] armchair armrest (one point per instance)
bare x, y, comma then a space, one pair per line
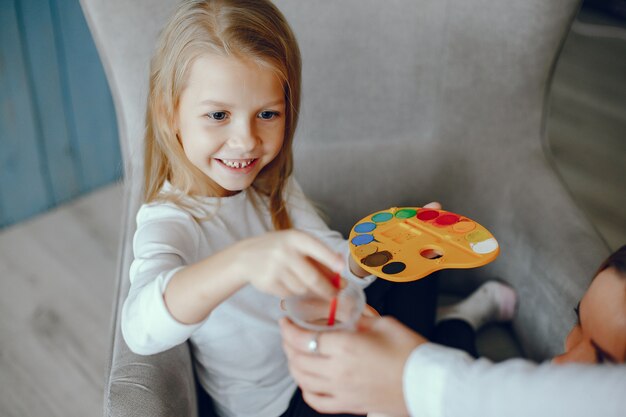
161, 385
151, 386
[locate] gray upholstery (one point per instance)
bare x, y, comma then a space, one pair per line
415, 101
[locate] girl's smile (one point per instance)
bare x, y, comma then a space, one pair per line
240, 166
231, 120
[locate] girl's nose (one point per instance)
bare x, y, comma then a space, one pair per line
243, 136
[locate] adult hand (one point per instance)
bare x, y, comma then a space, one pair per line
352, 372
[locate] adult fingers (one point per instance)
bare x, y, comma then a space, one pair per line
295, 337
311, 382
324, 403
329, 344
366, 321
299, 340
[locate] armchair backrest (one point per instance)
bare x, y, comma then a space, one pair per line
405, 103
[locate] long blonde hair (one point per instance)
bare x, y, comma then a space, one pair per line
250, 29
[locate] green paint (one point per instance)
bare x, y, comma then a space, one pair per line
405, 213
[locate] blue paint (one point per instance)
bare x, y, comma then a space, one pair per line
362, 240
364, 227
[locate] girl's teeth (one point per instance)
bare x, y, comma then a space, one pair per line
236, 164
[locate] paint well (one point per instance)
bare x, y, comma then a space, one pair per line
377, 258
464, 226
382, 217
394, 268
477, 236
362, 240
427, 214
365, 227
486, 246
405, 213
447, 219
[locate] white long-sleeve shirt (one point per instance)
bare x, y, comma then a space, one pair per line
237, 348
445, 382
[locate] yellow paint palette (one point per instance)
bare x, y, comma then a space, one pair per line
408, 243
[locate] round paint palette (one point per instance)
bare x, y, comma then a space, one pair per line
408, 243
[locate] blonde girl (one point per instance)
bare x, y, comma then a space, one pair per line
225, 230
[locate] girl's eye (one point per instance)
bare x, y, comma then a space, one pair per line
268, 115
217, 115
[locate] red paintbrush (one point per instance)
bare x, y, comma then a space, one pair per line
335, 280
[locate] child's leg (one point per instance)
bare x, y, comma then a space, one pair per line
412, 303
457, 324
456, 333
205, 403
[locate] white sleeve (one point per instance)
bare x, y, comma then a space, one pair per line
306, 218
439, 381
165, 241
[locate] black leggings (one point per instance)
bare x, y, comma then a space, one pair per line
415, 305
297, 406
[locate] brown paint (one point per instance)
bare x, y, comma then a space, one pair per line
377, 258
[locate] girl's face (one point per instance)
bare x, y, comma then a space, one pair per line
231, 120
600, 335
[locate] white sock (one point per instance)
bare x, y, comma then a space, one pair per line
492, 301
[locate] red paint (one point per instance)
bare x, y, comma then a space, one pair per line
447, 219
427, 214
336, 281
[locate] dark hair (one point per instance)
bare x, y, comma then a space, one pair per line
615, 260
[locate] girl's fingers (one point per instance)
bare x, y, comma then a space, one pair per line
312, 277
279, 289
293, 284
309, 246
433, 205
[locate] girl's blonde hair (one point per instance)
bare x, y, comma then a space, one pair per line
246, 29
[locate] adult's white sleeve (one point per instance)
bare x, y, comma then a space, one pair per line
307, 219
164, 242
440, 381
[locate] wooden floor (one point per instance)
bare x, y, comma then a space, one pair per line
56, 271
57, 277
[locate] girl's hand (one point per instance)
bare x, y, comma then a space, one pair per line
434, 205
288, 263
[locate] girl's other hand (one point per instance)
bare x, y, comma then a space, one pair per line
434, 205
289, 262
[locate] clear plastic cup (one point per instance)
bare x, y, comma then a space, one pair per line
311, 312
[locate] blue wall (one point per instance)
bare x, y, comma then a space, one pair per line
58, 133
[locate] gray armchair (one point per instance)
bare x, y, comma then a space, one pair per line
403, 104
